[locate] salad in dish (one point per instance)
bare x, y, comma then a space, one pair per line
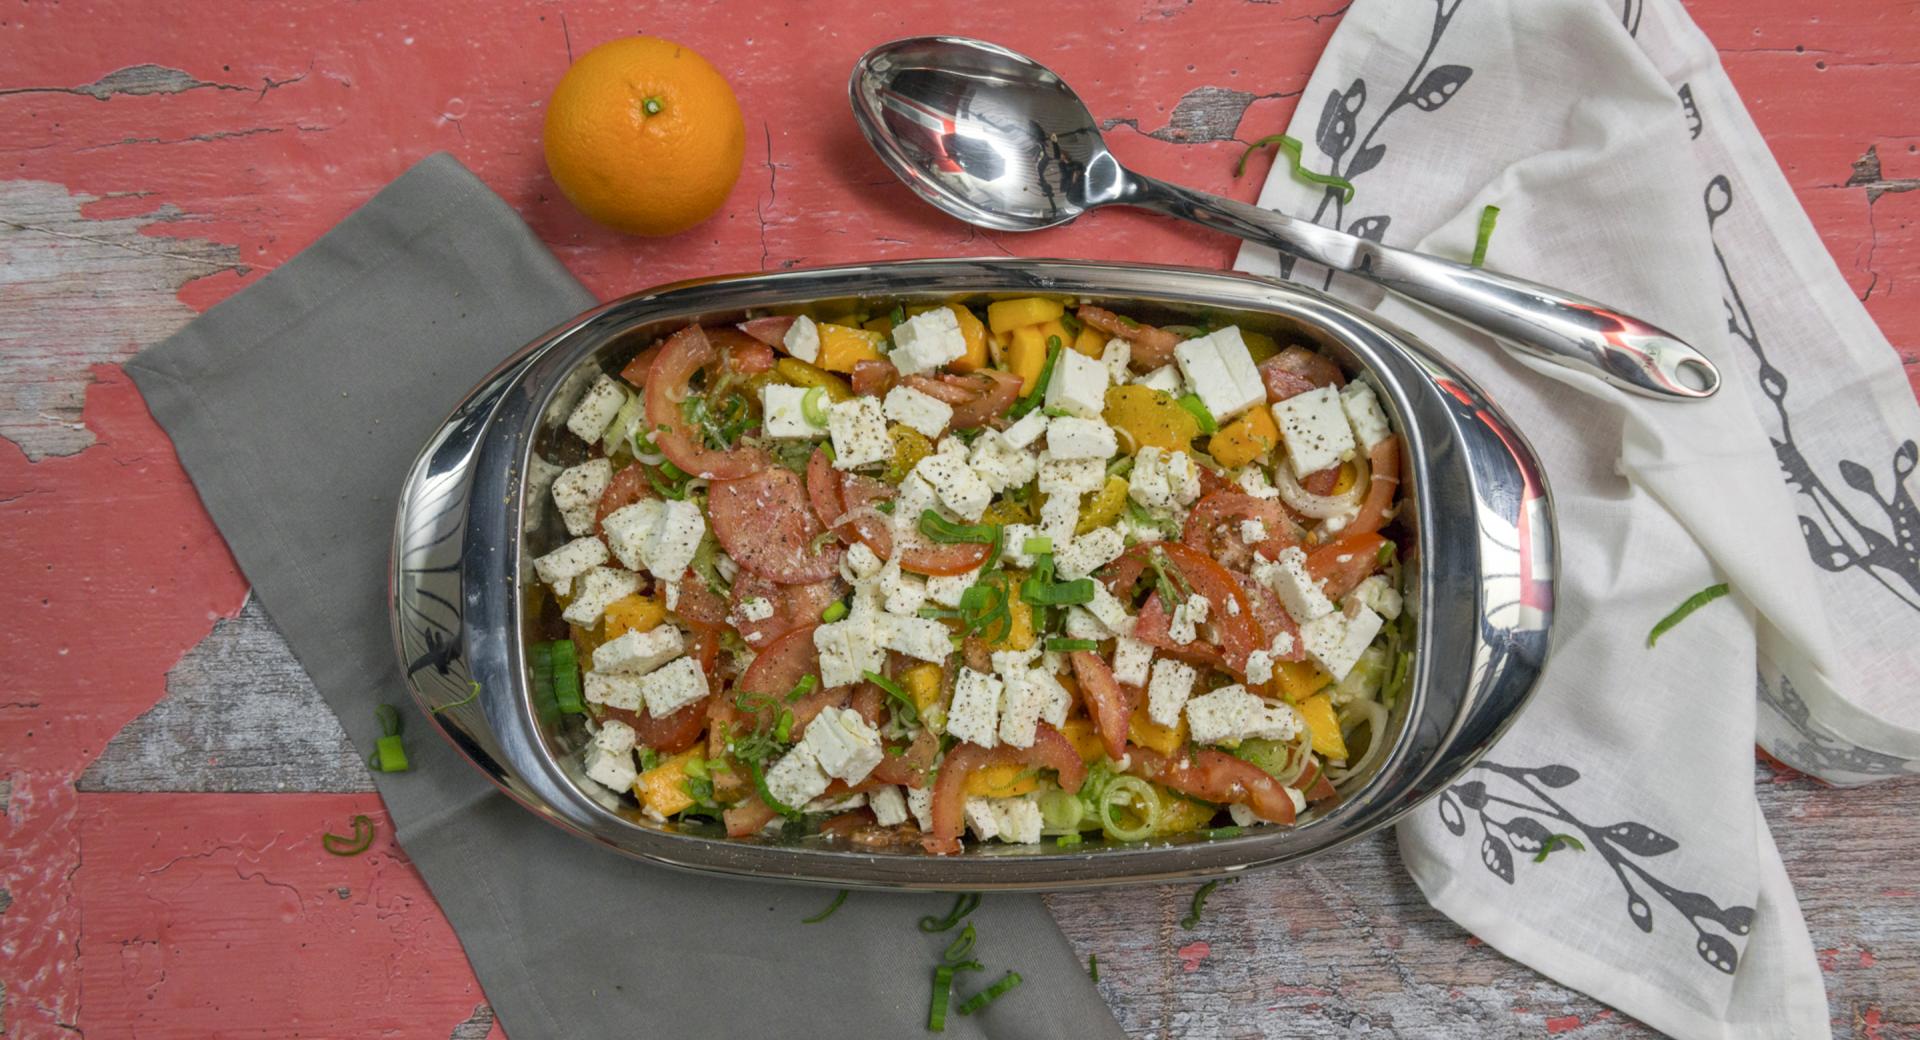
1026, 571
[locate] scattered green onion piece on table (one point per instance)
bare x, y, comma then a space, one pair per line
963, 904
472, 693
391, 754
992, 993
1693, 603
1555, 842
1067, 646
828, 912
1192, 920
361, 840
1093, 966
1198, 409
389, 719
960, 947
907, 710
834, 612
813, 406
1487, 218
942, 993
1291, 149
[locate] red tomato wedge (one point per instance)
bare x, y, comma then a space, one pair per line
1107, 706
1273, 617
1322, 482
1384, 460
1050, 750
1152, 347
685, 353
977, 397
1297, 370
874, 378
763, 522
747, 817
1343, 564
635, 373
935, 559
1215, 776
781, 666
700, 607
671, 735
911, 766
793, 607
627, 487
1229, 611
742, 354
834, 494
771, 331
1213, 527
1153, 625
1319, 791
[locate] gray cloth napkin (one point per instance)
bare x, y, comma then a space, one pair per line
296, 408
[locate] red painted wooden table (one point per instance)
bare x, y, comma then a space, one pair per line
165, 768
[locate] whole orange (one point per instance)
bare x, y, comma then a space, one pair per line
645, 136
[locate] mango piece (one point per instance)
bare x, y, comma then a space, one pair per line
1006, 511
1344, 482
1080, 732
1020, 634
796, 372
1104, 507
976, 336
841, 347
922, 683
1051, 329
1091, 341
1298, 679
1260, 345
1167, 740
1006, 315
664, 787
909, 447
1145, 416
1245, 439
1027, 356
883, 325
634, 613
1327, 739
1002, 780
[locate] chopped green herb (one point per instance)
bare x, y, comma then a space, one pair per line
649, 758
941, 529
885, 506
992, 993
1067, 646
1225, 832
783, 729
389, 755
963, 904
566, 677
960, 947
1558, 841
472, 693
1291, 148
1198, 409
1693, 603
907, 710
361, 840
828, 912
834, 612
898, 315
1058, 594
1487, 218
1192, 920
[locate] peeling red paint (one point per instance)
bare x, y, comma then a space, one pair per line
1563, 1024
1192, 954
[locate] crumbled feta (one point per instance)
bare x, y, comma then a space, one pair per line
1163, 479
755, 608
1183, 626
1168, 690
920, 803
959, 488
614, 691
1078, 386
1379, 595
1019, 820
630, 529
927, 341
1253, 531
918, 637
859, 431
1297, 589
797, 778
1083, 625
1058, 518
614, 736
1021, 702
1070, 476
904, 593
844, 744
923, 412
889, 806
596, 410
598, 588
577, 491
1239, 362
1260, 667
912, 498
1315, 431
1131, 657
673, 686
1070, 437
1116, 355
803, 340
1110, 611
570, 561
610, 769
1364, 415
946, 589
981, 819
785, 413
1165, 379
1335, 641
1254, 481
637, 653
1013, 545
848, 649
999, 463
1221, 716
1026, 429
974, 714
860, 565
1089, 552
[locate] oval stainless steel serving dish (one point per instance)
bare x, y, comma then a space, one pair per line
476, 511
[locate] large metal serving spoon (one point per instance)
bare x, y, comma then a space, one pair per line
997, 139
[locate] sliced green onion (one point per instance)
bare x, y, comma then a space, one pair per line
1291, 148
1198, 409
991, 993
942, 992
468, 699
1036, 545
361, 840
760, 787
389, 719
803, 687
813, 406
1233, 831
941, 529
1069, 840
960, 947
907, 710
1693, 603
1132, 789
696, 768
1093, 966
828, 912
1192, 920
783, 729
1054, 412
1487, 218
1558, 841
963, 904
391, 754
898, 315
566, 677
1067, 646
1060, 811
1385, 555
834, 612
1070, 323
1058, 594
1039, 392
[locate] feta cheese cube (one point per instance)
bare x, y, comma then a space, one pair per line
803, 340
785, 414
1116, 356
755, 608
1238, 360
630, 529
947, 589
673, 686
1168, 690
904, 593
913, 497
1054, 699
597, 589
675, 540
595, 412
1110, 611
920, 803
1253, 531
1206, 370
1078, 386
848, 649
1018, 820
1027, 429
637, 653
1059, 517
1069, 437
974, 714
923, 412
1165, 379
1272, 721
1082, 625
981, 819
1013, 544
859, 431
959, 488
1074, 477
1364, 415
1254, 481
797, 778
614, 691
613, 770
927, 341
614, 737
1335, 641
889, 806
1314, 428
860, 565
577, 491
918, 637
570, 560
844, 744
1297, 589
1163, 479
1020, 705
1089, 552
1221, 717
1378, 595
999, 463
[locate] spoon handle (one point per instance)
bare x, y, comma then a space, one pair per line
1547, 323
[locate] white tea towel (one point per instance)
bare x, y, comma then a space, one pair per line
1626, 169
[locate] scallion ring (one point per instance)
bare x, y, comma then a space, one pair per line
361, 840
813, 406
1146, 808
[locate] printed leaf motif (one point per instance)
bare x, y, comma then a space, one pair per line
1555, 775
1527, 834
1450, 814
1638, 909
1498, 858
1640, 839
1439, 86
1337, 123
1717, 951
1472, 794
1366, 159
1373, 229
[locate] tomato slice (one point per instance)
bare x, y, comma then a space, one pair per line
1215, 776
937, 560
687, 352
1384, 460
747, 817
911, 766
635, 372
1240, 634
1343, 564
742, 354
977, 397
793, 607
1223, 509
671, 735
1152, 346
1272, 617
874, 378
1297, 370
764, 523
834, 494
781, 666
1050, 750
1107, 706
771, 331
